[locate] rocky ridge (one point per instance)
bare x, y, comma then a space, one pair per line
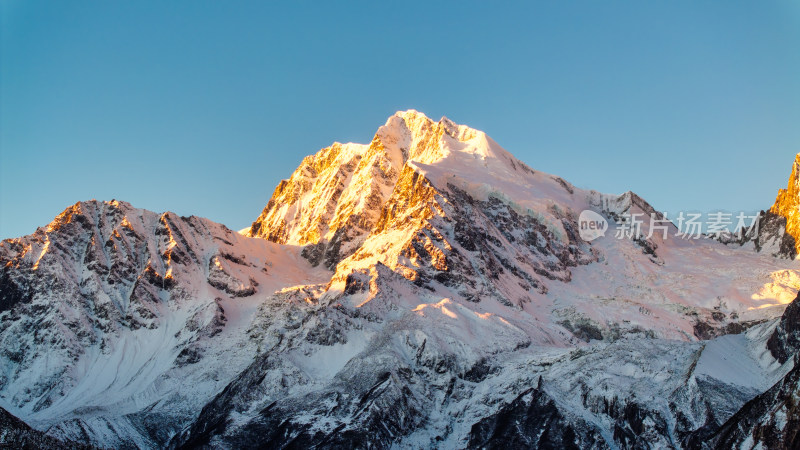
787, 204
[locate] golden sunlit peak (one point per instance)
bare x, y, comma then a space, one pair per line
787, 204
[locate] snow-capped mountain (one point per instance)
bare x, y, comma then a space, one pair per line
785, 214
108, 312
425, 290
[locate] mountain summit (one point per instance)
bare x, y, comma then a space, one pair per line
787, 204
426, 289
335, 198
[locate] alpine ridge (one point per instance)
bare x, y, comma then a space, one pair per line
425, 290
787, 207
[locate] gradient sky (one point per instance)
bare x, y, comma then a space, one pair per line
201, 107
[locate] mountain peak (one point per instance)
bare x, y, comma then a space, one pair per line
336, 196
86, 209
419, 127
787, 204
412, 116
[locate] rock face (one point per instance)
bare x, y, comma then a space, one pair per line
787, 205
425, 290
772, 419
777, 230
533, 420
15, 433
774, 235
785, 341
334, 199
769, 235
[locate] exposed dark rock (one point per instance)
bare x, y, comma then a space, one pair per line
14, 433
478, 372
12, 291
708, 329
583, 329
374, 416
356, 283
769, 231
785, 340
772, 419
533, 420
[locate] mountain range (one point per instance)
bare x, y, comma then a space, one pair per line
425, 290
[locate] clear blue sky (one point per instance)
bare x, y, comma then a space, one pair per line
201, 107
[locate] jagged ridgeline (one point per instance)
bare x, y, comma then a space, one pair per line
425, 290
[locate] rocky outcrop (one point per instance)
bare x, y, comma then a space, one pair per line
533, 420
773, 235
771, 420
14, 433
787, 205
785, 340
775, 231
378, 414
